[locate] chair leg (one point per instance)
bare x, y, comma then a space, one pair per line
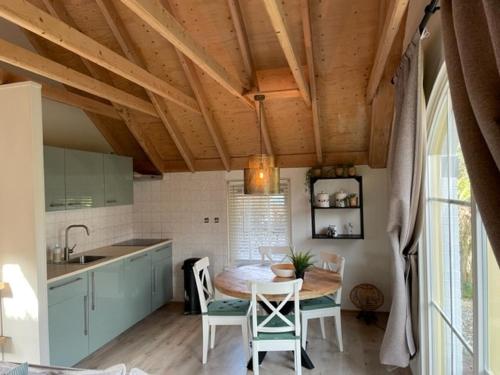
338, 329
212, 336
244, 334
255, 359
322, 324
298, 358
206, 333
304, 331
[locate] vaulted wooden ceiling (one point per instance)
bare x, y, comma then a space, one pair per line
171, 83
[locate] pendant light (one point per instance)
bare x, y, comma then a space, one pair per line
262, 177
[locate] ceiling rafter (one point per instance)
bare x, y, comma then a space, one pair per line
58, 10
246, 55
276, 14
306, 25
22, 58
53, 29
392, 22
128, 47
63, 96
241, 35
160, 19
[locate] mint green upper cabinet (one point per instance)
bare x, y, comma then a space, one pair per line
84, 179
118, 180
53, 164
68, 320
106, 304
162, 276
137, 287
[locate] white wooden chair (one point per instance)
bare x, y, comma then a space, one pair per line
270, 253
325, 306
218, 312
276, 332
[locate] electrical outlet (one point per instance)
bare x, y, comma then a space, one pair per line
216, 220
206, 220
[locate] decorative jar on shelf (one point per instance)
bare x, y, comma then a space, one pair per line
353, 200
351, 171
339, 171
340, 198
322, 200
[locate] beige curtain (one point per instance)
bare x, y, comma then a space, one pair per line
471, 36
406, 172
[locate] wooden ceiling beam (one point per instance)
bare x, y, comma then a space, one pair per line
306, 25
242, 37
57, 94
264, 128
51, 28
57, 10
24, 59
160, 19
129, 49
276, 14
392, 22
283, 161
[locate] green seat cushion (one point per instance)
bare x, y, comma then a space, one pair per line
318, 303
229, 307
276, 322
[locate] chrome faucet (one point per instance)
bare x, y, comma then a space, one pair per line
67, 249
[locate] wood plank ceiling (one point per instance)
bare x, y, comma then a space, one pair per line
171, 83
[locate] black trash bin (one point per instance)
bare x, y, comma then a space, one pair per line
191, 300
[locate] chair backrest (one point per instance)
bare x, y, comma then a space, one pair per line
203, 283
290, 290
267, 253
335, 263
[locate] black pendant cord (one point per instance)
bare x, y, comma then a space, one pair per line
260, 99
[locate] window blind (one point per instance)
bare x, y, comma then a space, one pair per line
256, 221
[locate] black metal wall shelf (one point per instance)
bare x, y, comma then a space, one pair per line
315, 210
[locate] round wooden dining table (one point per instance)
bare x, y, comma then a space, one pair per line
234, 282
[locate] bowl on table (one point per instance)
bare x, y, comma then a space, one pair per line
283, 269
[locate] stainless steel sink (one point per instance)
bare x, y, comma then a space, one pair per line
84, 259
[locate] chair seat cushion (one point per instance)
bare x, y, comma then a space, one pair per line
276, 322
318, 303
229, 307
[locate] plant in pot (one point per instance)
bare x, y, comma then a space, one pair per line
301, 261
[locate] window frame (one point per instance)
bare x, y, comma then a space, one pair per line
479, 347
239, 262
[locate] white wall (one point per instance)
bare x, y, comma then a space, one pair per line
176, 206
22, 242
107, 225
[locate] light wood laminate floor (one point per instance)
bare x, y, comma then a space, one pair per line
168, 342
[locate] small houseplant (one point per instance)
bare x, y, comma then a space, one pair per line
301, 261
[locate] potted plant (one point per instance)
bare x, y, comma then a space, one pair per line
353, 200
301, 261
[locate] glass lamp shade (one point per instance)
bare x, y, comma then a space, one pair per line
261, 176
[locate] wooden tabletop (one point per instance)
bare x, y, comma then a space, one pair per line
234, 282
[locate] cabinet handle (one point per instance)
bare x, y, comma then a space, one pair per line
139, 257
93, 290
85, 315
74, 204
56, 204
154, 280
66, 283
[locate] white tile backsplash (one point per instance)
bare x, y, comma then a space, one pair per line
175, 208
107, 225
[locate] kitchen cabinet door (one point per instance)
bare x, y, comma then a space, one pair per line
106, 304
68, 321
55, 190
138, 281
118, 180
162, 276
84, 179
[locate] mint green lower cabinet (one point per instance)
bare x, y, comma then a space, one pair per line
106, 304
137, 285
162, 276
68, 320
